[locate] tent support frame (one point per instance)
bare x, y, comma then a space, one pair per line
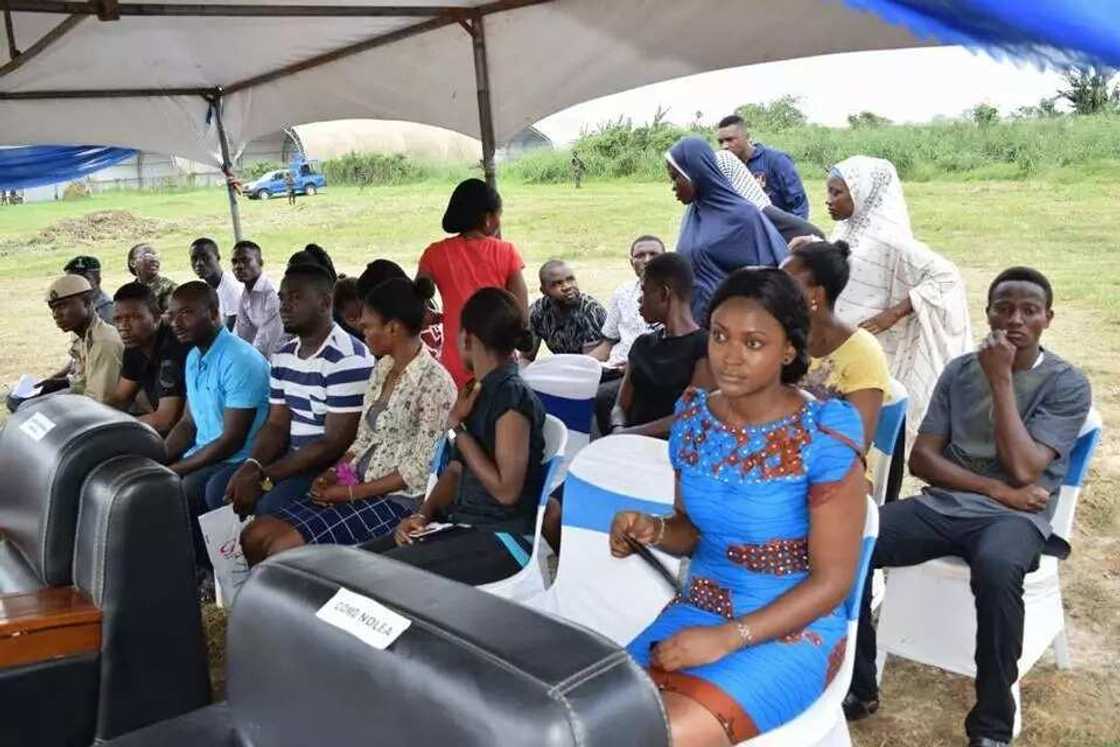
19, 59
227, 166
10, 32
475, 28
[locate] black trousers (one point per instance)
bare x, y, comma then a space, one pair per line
605, 398
470, 555
1000, 550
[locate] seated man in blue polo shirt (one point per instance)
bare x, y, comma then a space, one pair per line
772, 168
227, 397
317, 385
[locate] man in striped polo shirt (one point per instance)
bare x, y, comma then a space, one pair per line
315, 398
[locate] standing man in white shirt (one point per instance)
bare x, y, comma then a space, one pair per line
624, 324
258, 314
206, 261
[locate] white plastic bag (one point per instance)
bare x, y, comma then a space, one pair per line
221, 530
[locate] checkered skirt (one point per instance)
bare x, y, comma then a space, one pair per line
344, 523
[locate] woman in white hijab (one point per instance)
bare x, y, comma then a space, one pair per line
907, 295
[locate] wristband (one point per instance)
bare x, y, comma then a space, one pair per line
255, 463
660, 531
746, 638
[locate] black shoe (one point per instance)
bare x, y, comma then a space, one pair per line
856, 709
986, 742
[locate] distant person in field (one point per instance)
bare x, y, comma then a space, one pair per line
911, 298
154, 364
790, 226
227, 397
206, 261
258, 313
665, 362
96, 349
380, 270
90, 268
721, 231
773, 169
290, 186
578, 169
472, 259
315, 399
993, 451
144, 264
566, 320
623, 325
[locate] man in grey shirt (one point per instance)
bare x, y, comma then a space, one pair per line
993, 448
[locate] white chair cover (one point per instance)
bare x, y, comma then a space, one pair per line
530, 579
616, 598
566, 385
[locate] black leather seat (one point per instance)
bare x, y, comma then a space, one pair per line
472, 670
46, 451
124, 559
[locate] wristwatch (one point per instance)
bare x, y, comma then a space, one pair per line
266, 481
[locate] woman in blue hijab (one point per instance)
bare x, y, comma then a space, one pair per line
721, 231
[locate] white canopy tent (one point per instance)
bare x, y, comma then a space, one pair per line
176, 77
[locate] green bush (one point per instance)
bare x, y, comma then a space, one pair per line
256, 170
1015, 148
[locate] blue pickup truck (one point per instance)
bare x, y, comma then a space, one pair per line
308, 181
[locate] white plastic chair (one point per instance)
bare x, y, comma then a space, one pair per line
892, 418
530, 579
929, 614
617, 598
566, 386
823, 724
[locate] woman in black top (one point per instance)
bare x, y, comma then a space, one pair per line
665, 362
490, 488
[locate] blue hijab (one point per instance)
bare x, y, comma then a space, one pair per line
721, 231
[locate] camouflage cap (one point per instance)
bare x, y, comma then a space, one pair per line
82, 263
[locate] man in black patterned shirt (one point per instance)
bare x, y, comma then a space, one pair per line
565, 319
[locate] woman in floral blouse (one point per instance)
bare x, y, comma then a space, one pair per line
383, 476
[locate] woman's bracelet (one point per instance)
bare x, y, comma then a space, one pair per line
746, 637
660, 531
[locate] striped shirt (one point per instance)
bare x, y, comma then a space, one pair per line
332, 380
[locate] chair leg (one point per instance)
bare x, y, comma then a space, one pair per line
1061, 650
880, 664
1017, 726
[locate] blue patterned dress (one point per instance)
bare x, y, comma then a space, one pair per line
748, 491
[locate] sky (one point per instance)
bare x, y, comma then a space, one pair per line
912, 85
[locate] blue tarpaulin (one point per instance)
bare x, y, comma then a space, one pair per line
35, 166
1051, 33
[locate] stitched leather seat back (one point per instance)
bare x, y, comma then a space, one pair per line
46, 451
471, 670
134, 557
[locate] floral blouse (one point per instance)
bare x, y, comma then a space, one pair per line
407, 430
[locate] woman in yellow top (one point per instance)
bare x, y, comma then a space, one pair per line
845, 361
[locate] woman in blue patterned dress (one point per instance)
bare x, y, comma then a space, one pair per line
770, 506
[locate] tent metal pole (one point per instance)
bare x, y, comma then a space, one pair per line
485, 112
46, 40
227, 166
13, 50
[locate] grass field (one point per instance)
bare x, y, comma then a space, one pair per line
1069, 230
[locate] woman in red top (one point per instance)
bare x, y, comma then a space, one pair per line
473, 259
